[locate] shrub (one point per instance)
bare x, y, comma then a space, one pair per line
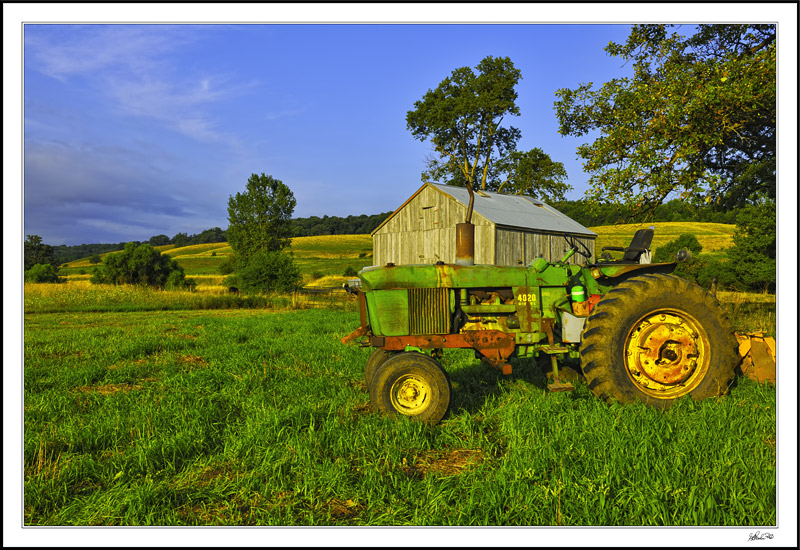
753, 254
228, 265
666, 253
350, 271
140, 264
267, 271
96, 259
316, 275
42, 273
177, 281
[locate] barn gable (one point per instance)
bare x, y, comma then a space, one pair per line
509, 229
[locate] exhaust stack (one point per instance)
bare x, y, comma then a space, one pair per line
465, 235
465, 244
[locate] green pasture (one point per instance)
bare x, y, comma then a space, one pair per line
257, 417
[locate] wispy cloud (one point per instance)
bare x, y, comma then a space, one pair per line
138, 68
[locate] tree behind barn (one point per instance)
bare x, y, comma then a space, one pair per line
465, 118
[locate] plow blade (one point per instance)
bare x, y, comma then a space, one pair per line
757, 357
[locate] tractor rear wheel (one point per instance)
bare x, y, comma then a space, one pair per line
411, 384
656, 338
375, 360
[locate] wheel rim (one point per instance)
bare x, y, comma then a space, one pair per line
410, 394
666, 354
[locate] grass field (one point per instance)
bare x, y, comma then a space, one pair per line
251, 417
714, 237
147, 407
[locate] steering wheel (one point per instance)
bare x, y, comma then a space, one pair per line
579, 246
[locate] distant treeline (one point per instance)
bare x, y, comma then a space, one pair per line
580, 211
591, 215
64, 253
334, 225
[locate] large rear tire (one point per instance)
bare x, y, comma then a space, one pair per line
411, 384
656, 338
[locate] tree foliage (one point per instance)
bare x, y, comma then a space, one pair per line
42, 273
463, 118
159, 240
260, 229
686, 241
753, 255
696, 119
335, 225
273, 270
36, 252
141, 265
260, 218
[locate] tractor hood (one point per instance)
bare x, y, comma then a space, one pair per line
443, 276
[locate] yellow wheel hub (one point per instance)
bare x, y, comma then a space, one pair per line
410, 394
666, 354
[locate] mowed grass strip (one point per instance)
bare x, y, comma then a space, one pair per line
245, 417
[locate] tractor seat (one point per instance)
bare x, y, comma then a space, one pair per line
637, 252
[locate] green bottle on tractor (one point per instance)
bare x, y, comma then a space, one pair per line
634, 331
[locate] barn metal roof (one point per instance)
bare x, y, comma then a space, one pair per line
515, 211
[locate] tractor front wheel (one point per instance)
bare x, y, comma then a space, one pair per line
375, 360
656, 338
411, 384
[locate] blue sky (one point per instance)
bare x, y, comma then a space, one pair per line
136, 130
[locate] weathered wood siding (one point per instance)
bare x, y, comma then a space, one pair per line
517, 247
423, 231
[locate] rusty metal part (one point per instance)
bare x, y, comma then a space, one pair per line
557, 384
494, 345
362, 308
465, 244
547, 327
364, 328
360, 331
667, 354
757, 354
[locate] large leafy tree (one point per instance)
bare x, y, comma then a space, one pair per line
696, 119
260, 228
260, 218
463, 118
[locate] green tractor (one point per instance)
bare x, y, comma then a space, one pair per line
633, 330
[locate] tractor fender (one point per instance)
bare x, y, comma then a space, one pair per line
621, 272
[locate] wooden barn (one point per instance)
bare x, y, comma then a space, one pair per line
509, 229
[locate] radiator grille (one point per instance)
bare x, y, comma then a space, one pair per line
429, 310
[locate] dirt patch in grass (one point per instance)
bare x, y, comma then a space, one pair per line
342, 509
441, 463
108, 389
194, 360
362, 409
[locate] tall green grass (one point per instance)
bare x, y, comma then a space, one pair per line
80, 296
243, 417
